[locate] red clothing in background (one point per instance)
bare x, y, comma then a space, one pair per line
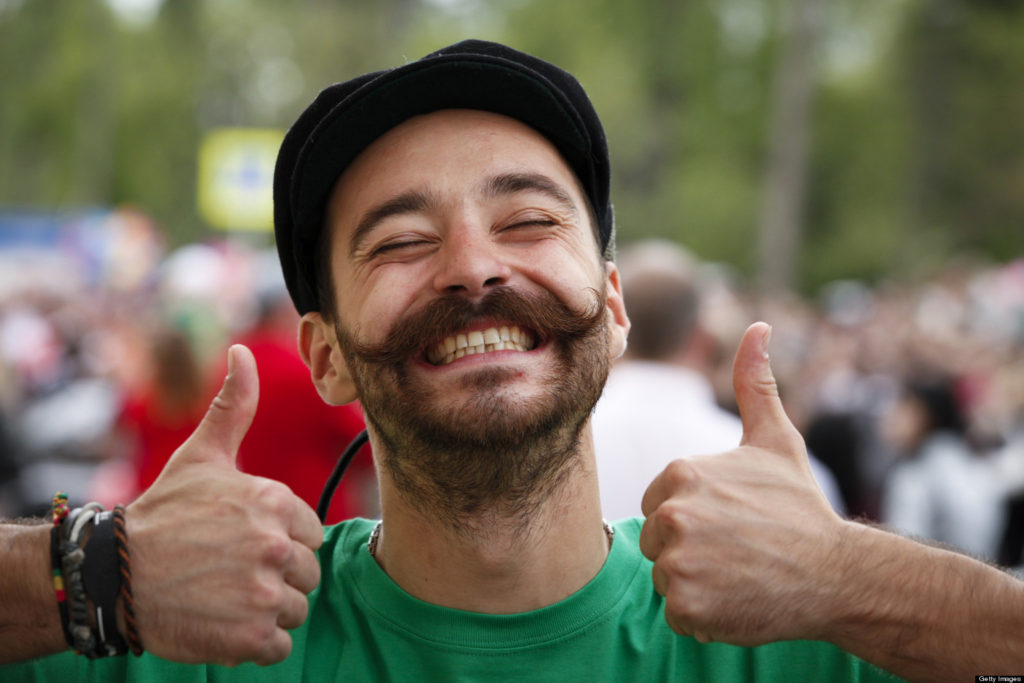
154, 435
296, 438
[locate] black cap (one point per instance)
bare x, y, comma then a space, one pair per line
473, 74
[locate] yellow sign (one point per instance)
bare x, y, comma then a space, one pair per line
236, 177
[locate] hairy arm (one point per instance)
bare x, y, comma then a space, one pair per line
925, 613
29, 620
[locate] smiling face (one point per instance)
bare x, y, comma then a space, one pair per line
474, 313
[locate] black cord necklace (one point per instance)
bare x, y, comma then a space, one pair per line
339, 470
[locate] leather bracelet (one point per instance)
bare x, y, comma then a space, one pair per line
131, 629
101, 578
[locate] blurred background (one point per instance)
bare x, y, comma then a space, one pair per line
850, 171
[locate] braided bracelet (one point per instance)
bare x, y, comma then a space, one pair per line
71, 558
131, 633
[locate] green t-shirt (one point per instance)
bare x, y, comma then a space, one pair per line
363, 627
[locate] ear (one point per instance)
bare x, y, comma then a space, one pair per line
320, 351
618, 322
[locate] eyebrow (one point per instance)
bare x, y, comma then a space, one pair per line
408, 202
511, 183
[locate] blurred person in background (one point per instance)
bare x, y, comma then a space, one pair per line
659, 403
62, 403
841, 379
158, 414
940, 488
1002, 410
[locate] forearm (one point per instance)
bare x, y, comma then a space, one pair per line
925, 613
29, 619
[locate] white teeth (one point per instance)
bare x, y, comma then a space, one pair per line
480, 341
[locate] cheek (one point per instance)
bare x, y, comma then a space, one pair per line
374, 306
569, 273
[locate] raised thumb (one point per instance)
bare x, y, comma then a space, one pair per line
229, 416
765, 423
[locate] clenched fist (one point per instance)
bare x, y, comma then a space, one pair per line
741, 541
221, 561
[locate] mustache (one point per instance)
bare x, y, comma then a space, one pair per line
543, 313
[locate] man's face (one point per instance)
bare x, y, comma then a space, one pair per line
474, 312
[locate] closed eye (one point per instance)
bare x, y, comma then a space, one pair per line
397, 247
541, 222
530, 219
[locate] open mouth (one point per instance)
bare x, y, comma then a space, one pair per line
504, 338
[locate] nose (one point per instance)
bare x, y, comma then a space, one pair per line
471, 263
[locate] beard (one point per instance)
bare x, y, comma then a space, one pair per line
491, 450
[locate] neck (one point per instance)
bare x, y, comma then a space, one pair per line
495, 560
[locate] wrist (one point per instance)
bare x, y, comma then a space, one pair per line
30, 623
92, 577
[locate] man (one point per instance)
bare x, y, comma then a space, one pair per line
458, 290
659, 403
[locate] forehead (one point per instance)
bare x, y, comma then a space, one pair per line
449, 150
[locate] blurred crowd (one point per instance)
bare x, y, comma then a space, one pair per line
914, 397
911, 396
102, 377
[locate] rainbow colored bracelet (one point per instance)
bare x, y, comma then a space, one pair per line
59, 514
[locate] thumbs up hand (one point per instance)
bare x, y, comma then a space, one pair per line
741, 541
221, 561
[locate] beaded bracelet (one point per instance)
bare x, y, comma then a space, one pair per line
60, 513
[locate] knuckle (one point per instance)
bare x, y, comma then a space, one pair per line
277, 650
681, 474
275, 497
677, 568
246, 644
672, 516
254, 640
677, 607
766, 386
276, 550
676, 564
295, 615
267, 595
306, 573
